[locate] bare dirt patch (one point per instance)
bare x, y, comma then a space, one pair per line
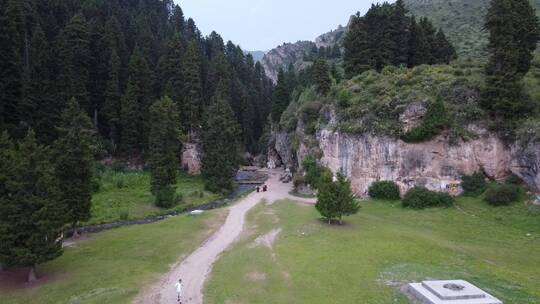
256, 276
267, 240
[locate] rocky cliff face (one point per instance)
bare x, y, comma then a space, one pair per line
283, 55
191, 158
435, 164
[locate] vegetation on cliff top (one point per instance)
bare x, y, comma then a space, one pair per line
372, 102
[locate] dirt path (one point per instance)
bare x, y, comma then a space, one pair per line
195, 268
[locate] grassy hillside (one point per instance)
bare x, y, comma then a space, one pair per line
377, 251
462, 20
373, 102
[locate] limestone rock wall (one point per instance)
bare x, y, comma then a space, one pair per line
191, 158
435, 164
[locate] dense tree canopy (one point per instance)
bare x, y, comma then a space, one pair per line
115, 57
385, 35
514, 33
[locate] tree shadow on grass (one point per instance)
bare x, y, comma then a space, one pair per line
16, 278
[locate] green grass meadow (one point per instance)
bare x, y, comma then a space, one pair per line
126, 195
378, 250
113, 266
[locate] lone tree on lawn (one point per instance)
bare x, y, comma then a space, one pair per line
220, 146
31, 214
164, 145
335, 198
74, 151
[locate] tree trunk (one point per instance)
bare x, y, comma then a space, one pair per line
96, 118
75, 231
32, 274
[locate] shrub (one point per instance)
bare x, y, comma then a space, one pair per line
435, 121
386, 190
514, 180
120, 182
124, 215
420, 198
313, 170
502, 195
473, 185
119, 166
166, 197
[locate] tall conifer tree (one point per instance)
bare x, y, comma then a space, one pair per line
31, 213
220, 146
11, 74
135, 105
281, 97
514, 34
113, 100
74, 157
164, 145
74, 55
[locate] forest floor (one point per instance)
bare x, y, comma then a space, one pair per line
195, 268
286, 254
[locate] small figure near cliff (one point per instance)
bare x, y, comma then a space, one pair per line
265, 188
258, 189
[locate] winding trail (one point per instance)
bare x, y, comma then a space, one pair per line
195, 269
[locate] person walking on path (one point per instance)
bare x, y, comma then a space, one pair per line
178, 287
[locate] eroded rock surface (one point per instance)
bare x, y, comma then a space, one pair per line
435, 164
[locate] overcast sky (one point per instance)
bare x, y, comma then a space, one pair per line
265, 24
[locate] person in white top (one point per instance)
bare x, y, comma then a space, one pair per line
178, 287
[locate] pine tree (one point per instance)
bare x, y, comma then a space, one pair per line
74, 157
113, 101
192, 87
11, 77
514, 33
281, 97
321, 76
39, 108
31, 215
335, 198
164, 145
355, 44
173, 69
399, 34
178, 22
419, 50
135, 105
445, 51
74, 55
220, 157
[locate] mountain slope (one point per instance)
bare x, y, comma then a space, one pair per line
462, 20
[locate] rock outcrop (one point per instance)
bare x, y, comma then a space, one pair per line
435, 164
191, 158
283, 55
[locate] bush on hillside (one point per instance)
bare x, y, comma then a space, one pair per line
314, 171
435, 121
420, 198
473, 185
502, 195
514, 180
385, 190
